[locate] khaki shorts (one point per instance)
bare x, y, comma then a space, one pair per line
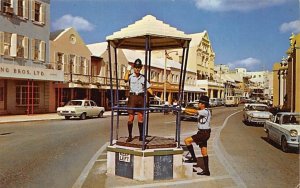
135, 101
201, 137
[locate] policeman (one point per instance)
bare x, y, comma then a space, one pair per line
136, 96
203, 134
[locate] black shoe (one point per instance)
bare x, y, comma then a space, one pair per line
191, 160
194, 170
206, 173
129, 139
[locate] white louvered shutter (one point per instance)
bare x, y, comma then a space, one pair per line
1, 43
32, 9
16, 7
42, 14
25, 45
42, 51
13, 45
0, 5
66, 64
25, 9
32, 48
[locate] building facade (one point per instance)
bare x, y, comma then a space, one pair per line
26, 75
69, 54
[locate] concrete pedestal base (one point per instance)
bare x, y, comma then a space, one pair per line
150, 164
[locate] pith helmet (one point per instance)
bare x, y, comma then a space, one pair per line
204, 99
138, 63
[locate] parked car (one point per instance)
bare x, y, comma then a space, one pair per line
213, 102
231, 101
81, 109
256, 113
156, 105
123, 103
190, 111
284, 129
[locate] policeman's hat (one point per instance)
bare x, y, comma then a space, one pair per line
138, 63
204, 100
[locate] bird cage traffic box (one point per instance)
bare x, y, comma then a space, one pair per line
154, 158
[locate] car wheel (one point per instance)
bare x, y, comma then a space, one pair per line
67, 117
181, 118
83, 116
284, 145
100, 115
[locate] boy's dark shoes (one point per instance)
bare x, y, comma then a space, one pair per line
205, 173
194, 170
191, 160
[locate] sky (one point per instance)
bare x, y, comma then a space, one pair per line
253, 34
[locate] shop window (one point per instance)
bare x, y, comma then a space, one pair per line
22, 95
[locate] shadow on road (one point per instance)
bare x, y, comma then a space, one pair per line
294, 151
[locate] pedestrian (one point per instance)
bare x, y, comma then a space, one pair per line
136, 96
203, 134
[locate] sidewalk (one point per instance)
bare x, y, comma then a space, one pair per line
35, 117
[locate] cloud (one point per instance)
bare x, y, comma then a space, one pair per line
293, 26
79, 23
236, 5
248, 63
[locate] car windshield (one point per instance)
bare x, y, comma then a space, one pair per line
74, 103
258, 108
291, 119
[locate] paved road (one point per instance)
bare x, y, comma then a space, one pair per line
258, 163
54, 153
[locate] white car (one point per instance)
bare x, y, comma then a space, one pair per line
80, 108
284, 129
256, 113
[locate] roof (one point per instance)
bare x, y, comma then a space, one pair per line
55, 34
97, 49
162, 35
196, 38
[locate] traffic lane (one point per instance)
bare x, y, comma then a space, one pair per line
49, 153
258, 162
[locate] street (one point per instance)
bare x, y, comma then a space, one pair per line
54, 153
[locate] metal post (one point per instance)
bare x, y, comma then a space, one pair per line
149, 78
165, 77
182, 89
145, 89
111, 95
117, 92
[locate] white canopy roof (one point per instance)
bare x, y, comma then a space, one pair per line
162, 36
97, 49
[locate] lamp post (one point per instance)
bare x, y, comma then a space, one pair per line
165, 71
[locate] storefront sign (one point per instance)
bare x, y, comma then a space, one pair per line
26, 72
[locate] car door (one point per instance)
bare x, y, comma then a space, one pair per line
95, 108
87, 108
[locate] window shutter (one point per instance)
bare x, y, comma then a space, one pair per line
25, 46
13, 45
0, 5
25, 8
16, 7
42, 14
1, 42
32, 48
78, 65
42, 50
12, 3
32, 10
66, 64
